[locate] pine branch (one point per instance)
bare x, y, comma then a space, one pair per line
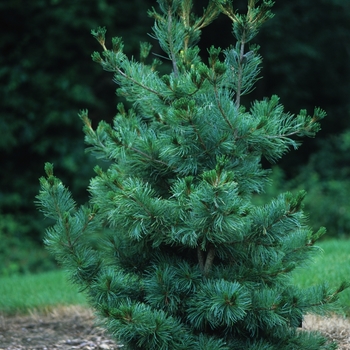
240, 75
136, 82
210, 14
98, 140
217, 99
171, 42
115, 61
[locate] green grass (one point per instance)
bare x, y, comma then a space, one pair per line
331, 266
23, 293
20, 294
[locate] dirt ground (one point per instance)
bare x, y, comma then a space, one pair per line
73, 328
62, 328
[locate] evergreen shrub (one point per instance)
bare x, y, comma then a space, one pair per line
185, 259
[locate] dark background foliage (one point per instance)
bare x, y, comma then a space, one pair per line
47, 76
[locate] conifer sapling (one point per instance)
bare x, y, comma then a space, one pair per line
185, 259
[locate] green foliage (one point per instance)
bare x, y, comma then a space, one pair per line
313, 61
325, 178
44, 82
18, 253
186, 260
53, 288
331, 263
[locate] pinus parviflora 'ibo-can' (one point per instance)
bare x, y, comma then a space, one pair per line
185, 259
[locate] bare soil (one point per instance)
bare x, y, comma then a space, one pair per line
74, 327
62, 328
336, 328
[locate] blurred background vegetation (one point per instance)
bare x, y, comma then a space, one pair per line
47, 76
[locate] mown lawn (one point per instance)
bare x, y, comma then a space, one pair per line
20, 294
331, 266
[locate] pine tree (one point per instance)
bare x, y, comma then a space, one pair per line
185, 259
